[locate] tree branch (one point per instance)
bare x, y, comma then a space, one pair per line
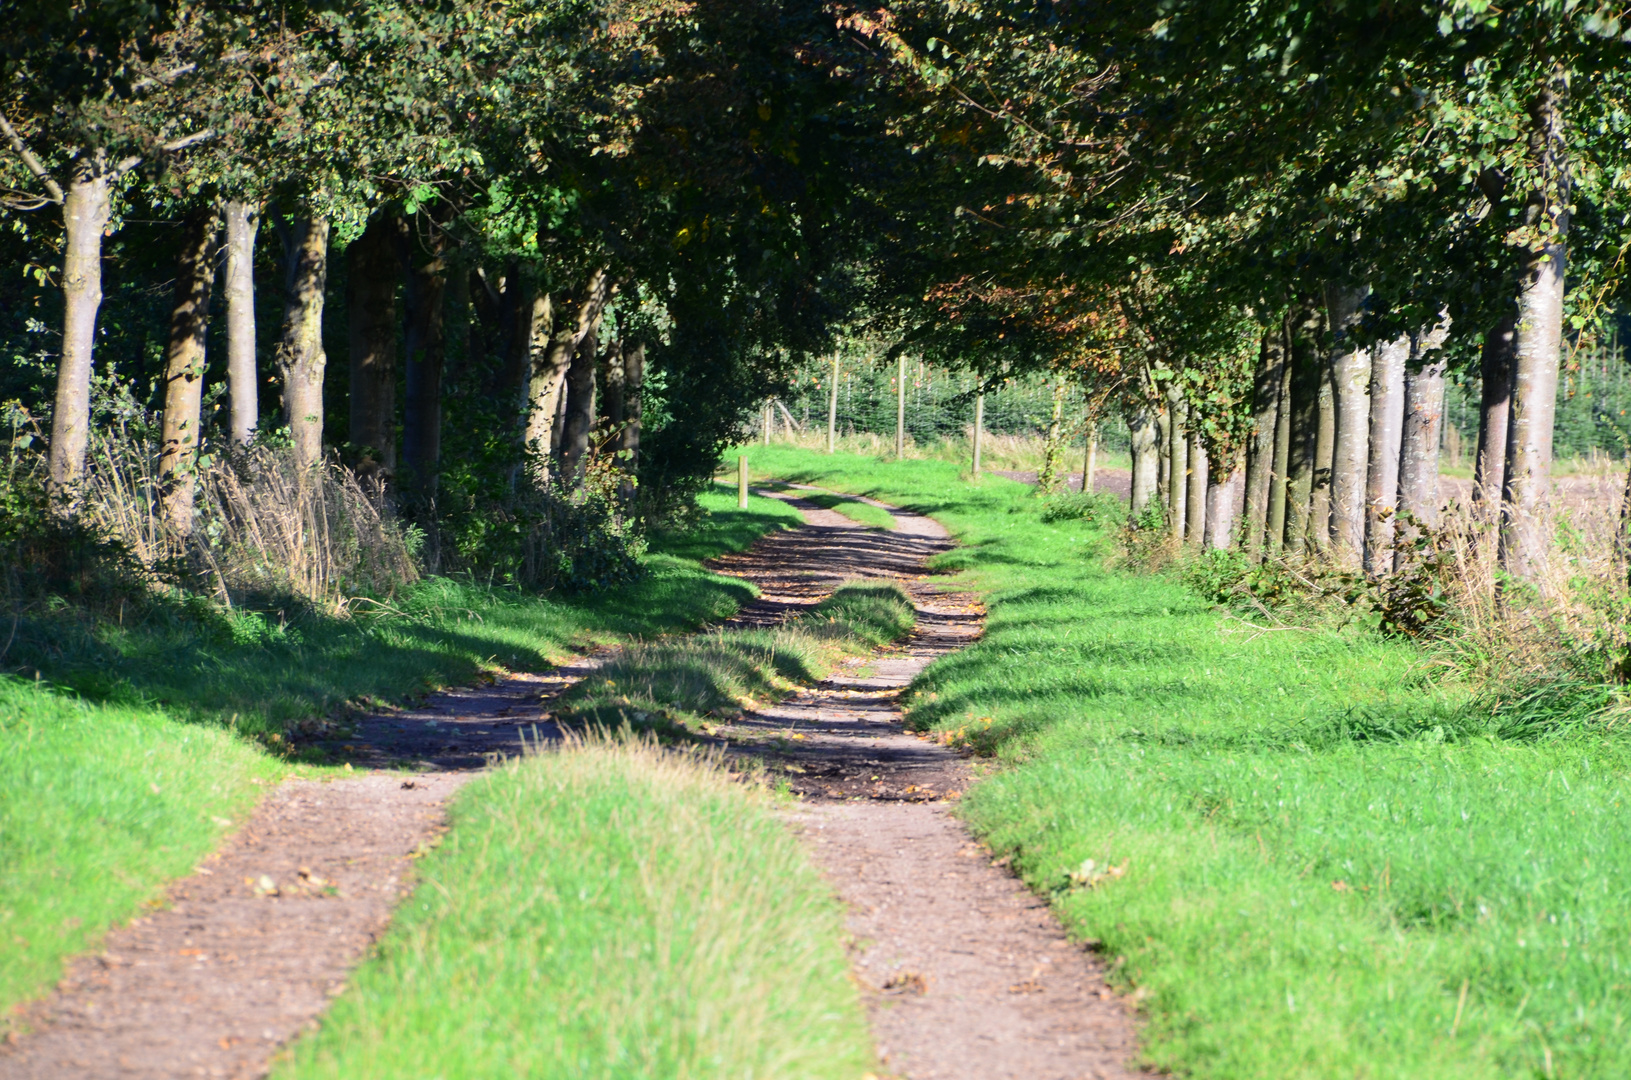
30, 160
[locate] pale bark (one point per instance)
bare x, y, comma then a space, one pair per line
86, 207
979, 430
374, 271
1223, 494
900, 409
580, 408
1418, 455
1387, 404
1047, 478
1090, 457
1307, 386
1350, 388
1319, 501
243, 381
1195, 490
1279, 470
1260, 447
300, 356
184, 364
546, 404
1143, 436
1177, 465
426, 347
832, 409
1494, 410
1163, 456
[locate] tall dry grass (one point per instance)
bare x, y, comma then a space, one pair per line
1002, 453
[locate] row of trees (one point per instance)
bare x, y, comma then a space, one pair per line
1262, 232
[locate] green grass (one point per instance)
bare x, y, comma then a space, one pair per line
673, 687
873, 517
1326, 863
605, 911
122, 765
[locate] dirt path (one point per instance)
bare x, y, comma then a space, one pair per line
968, 975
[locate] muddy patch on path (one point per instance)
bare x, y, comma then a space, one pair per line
968, 975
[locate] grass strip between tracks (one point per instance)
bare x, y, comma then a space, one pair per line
1305, 860
114, 782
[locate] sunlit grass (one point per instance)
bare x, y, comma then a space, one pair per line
1328, 873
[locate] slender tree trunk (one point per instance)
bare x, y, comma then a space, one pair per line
1177, 467
243, 382
1260, 447
832, 409
900, 409
1494, 409
184, 364
1538, 347
1418, 456
1047, 478
426, 360
1090, 456
1319, 503
1163, 456
1195, 495
300, 356
979, 429
518, 304
87, 206
580, 408
1279, 470
1350, 388
1223, 494
547, 394
375, 272
628, 445
1307, 387
1144, 437
1387, 404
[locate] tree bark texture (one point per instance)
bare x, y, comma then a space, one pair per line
1260, 447
184, 363
549, 370
300, 356
371, 317
86, 207
979, 430
1177, 466
832, 409
628, 443
1307, 382
1387, 403
1195, 489
1163, 456
1350, 389
243, 374
1319, 501
1090, 456
1223, 495
1143, 437
1495, 365
1047, 478
580, 408
426, 347
1418, 455
1537, 349
1279, 472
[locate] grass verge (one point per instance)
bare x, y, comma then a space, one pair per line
123, 763
673, 688
1325, 869
874, 517
608, 910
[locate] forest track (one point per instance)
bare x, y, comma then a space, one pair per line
966, 973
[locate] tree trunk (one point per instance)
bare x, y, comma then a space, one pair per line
300, 356
374, 273
1177, 466
243, 373
86, 208
580, 408
1260, 447
832, 409
900, 410
1223, 494
184, 364
547, 383
628, 444
1350, 389
1090, 456
1418, 456
1279, 471
1047, 478
1163, 456
1195, 494
979, 430
1494, 409
1537, 350
1387, 404
1319, 502
1143, 436
1307, 387
426, 346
